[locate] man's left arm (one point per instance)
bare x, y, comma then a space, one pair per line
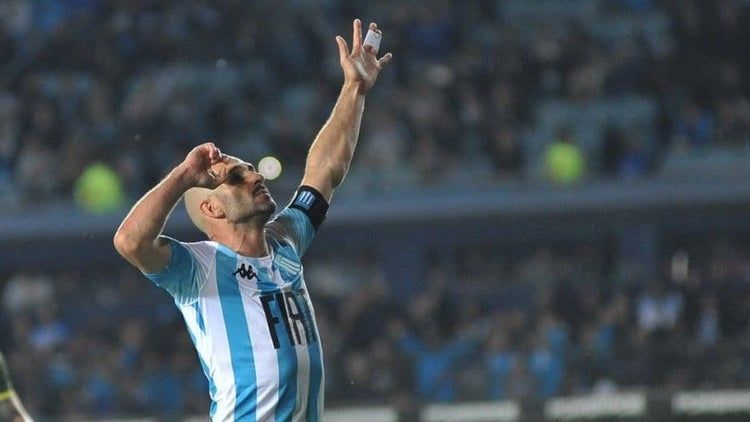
331, 153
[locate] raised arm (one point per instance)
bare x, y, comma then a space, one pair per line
331, 153
137, 238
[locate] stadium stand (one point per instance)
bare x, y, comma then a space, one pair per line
472, 275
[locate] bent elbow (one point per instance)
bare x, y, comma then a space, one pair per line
124, 245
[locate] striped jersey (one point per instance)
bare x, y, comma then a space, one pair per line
252, 322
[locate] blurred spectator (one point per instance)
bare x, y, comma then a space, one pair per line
564, 161
693, 128
50, 330
501, 360
658, 308
104, 358
733, 122
709, 331
623, 155
435, 357
546, 367
26, 291
35, 169
9, 142
470, 88
158, 78
505, 150
99, 189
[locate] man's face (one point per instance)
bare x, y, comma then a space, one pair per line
243, 194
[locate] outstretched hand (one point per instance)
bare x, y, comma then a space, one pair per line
361, 66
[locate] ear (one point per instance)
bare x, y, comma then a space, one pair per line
212, 208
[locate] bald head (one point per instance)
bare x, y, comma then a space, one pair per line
238, 198
194, 197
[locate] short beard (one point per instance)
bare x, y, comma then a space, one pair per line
265, 211
259, 215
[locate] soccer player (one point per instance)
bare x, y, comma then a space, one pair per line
242, 292
11, 409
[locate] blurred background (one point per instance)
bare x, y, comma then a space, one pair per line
549, 203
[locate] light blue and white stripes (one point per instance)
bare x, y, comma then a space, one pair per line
254, 374
305, 199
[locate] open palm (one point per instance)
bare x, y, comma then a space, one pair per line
361, 66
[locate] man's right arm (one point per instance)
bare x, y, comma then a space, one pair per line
137, 239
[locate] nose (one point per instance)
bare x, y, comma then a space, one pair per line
256, 177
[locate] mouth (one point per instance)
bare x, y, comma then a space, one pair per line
260, 189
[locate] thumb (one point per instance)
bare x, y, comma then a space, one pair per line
343, 48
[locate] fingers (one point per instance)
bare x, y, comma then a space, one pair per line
343, 48
214, 153
357, 36
384, 60
217, 171
367, 46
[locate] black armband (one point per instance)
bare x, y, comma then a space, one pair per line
311, 202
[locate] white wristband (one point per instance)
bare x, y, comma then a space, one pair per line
372, 39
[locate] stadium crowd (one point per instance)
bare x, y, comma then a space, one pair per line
474, 94
134, 84
547, 322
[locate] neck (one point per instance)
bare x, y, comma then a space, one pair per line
247, 240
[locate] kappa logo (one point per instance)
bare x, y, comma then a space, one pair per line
245, 272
